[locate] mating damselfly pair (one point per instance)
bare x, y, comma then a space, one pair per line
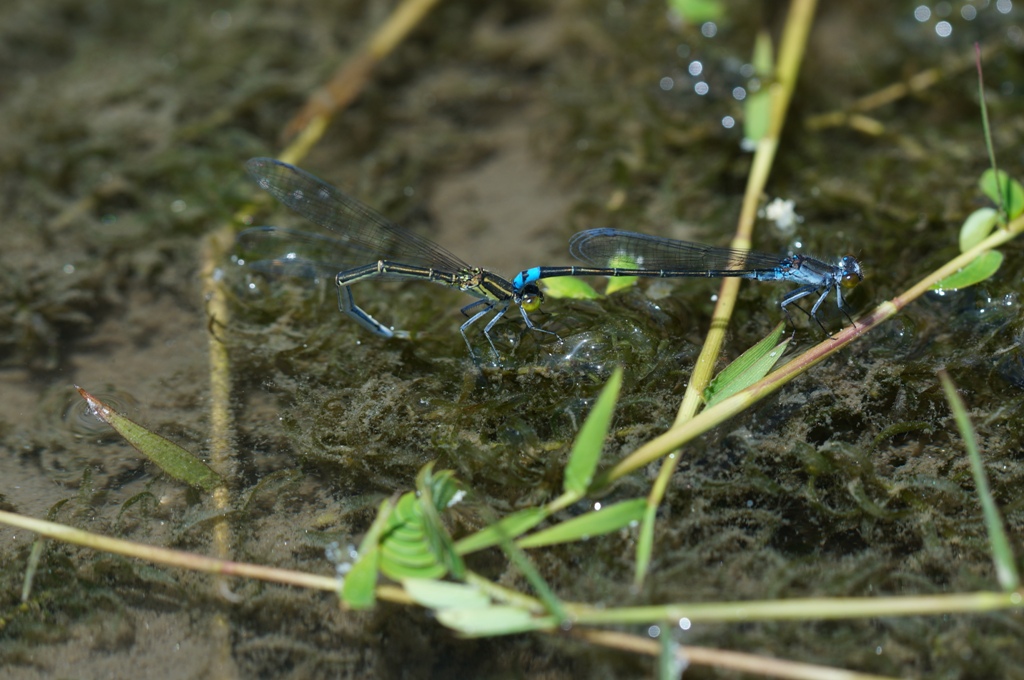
364, 244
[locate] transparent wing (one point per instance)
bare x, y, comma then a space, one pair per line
301, 254
630, 250
355, 225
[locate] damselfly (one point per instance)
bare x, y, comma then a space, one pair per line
625, 253
374, 247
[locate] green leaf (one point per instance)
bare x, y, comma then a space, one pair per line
410, 556
984, 266
757, 109
397, 567
512, 526
436, 493
586, 452
359, 588
442, 487
405, 510
570, 287
439, 595
404, 550
414, 542
1002, 553
595, 523
697, 11
976, 228
1012, 193
617, 283
763, 59
169, 457
497, 620
747, 369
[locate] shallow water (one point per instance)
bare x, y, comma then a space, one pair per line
498, 133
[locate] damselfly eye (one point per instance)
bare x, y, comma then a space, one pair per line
531, 303
851, 272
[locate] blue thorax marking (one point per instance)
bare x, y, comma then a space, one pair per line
525, 278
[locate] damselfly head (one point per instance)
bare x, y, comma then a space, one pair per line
530, 297
850, 271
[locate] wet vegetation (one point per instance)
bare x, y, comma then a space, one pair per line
497, 130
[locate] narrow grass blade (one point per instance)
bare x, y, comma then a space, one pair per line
512, 526
748, 368
36, 554
645, 543
594, 523
670, 665
521, 560
271, 486
169, 457
141, 497
1002, 555
586, 452
547, 596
